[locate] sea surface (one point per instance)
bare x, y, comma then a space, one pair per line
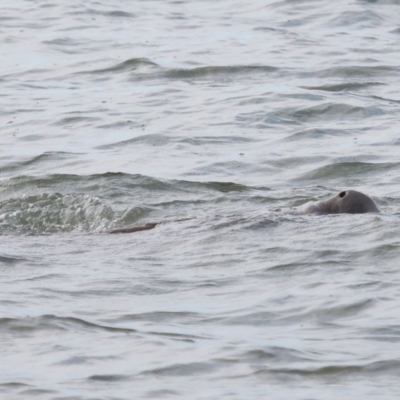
206, 116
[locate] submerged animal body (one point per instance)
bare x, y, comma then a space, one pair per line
346, 202
146, 227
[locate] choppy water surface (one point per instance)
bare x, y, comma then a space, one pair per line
215, 113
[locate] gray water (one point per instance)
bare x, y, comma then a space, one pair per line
214, 113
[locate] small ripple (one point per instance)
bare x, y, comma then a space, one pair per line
54, 323
350, 18
341, 87
189, 369
109, 378
162, 393
358, 71
220, 140
315, 133
157, 316
68, 121
328, 111
218, 72
51, 156
389, 367
149, 140
38, 392
127, 66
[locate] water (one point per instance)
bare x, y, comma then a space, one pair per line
216, 114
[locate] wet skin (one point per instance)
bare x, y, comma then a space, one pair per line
346, 202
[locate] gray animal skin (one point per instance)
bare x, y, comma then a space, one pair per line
346, 202
145, 227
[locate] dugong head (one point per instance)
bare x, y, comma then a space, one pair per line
348, 202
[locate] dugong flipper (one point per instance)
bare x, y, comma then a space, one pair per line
146, 227
131, 229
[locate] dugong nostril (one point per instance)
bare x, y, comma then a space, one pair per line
342, 194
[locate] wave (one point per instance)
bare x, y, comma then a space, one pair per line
348, 169
143, 68
29, 325
65, 203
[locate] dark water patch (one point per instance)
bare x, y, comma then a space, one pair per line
37, 392
8, 260
277, 355
117, 125
339, 311
74, 398
117, 291
262, 224
293, 162
179, 336
341, 87
75, 120
149, 140
30, 325
225, 187
386, 100
387, 333
127, 66
315, 133
84, 360
381, 2
327, 112
289, 267
53, 156
31, 138
45, 277
359, 71
344, 371
219, 140
65, 41
14, 385
252, 319
161, 394
217, 72
348, 170
351, 18
157, 316
108, 14
321, 314
188, 369
109, 378
384, 251
226, 168
373, 285
119, 14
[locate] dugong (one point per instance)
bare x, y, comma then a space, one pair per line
346, 202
